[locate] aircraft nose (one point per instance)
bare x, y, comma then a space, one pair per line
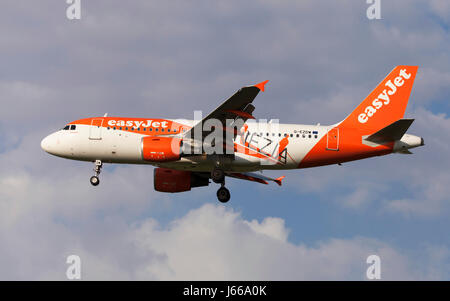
50, 144
45, 144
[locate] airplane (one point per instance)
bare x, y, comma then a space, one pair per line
190, 153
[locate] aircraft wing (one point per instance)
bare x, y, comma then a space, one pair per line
255, 177
237, 107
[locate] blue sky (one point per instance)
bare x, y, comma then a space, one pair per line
154, 59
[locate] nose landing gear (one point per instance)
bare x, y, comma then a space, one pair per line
218, 176
97, 169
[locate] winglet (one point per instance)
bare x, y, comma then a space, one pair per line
261, 85
278, 180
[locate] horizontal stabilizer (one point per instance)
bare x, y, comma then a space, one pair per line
392, 132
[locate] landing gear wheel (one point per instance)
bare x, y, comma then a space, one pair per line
218, 175
95, 180
223, 194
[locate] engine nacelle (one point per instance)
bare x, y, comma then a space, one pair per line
171, 180
161, 149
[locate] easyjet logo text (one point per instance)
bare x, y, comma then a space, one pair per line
384, 97
138, 124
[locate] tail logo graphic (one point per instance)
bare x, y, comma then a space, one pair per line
384, 97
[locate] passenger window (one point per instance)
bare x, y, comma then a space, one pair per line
145, 129
150, 129
309, 136
162, 130
279, 135
156, 130
126, 129
298, 135
292, 135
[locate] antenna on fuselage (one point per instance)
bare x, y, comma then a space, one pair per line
106, 115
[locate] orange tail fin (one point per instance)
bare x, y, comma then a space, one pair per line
387, 102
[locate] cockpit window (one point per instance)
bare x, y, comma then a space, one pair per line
73, 127
66, 127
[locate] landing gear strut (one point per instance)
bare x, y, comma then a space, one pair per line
97, 169
218, 175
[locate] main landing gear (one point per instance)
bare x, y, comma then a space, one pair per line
223, 194
97, 169
218, 176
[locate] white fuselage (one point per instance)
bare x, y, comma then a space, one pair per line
90, 143
258, 146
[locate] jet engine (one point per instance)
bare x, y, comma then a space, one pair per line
171, 180
161, 149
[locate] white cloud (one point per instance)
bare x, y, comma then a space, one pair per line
214, 243
441, 8
270, 226
41, 225
431, 84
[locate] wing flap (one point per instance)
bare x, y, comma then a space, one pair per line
254, 177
